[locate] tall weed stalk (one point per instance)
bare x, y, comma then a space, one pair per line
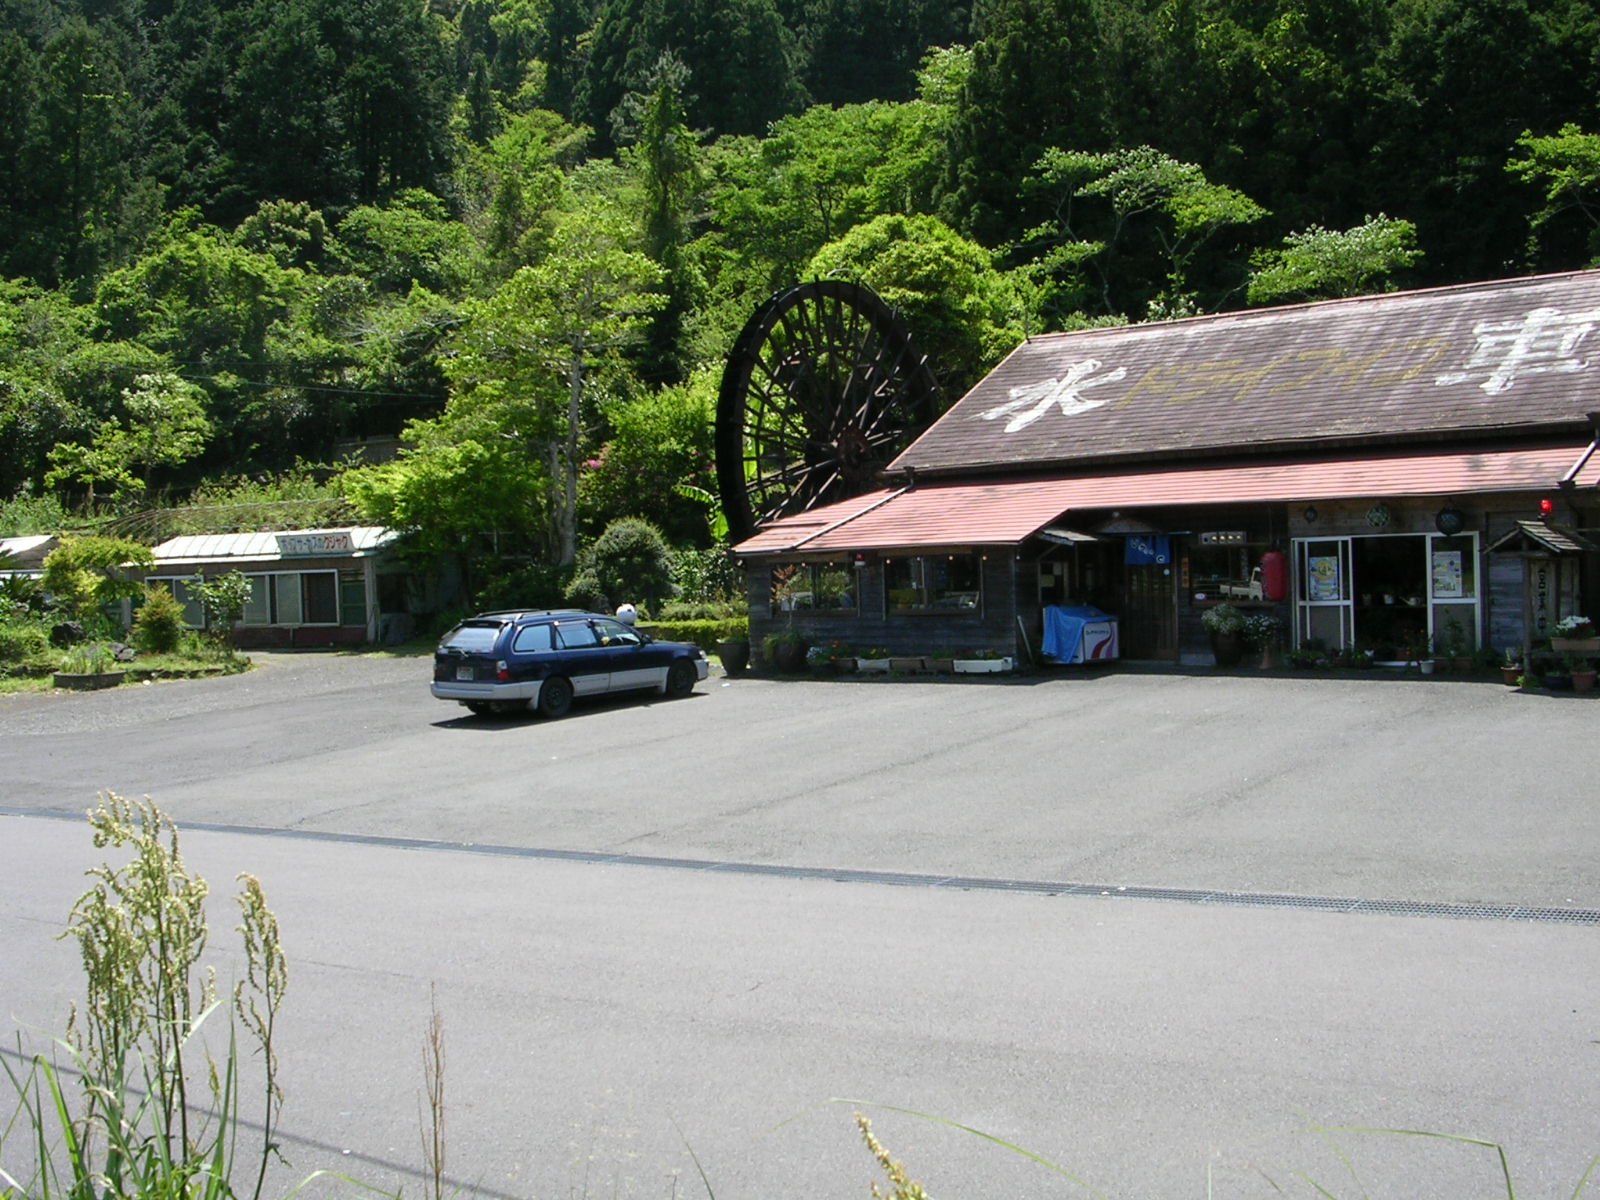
140, 1122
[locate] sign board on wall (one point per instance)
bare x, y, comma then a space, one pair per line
304, 545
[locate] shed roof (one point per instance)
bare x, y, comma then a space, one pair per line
355, 541
1006, 512
29, 550
1489, 359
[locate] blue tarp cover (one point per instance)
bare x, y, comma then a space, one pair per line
1063, 629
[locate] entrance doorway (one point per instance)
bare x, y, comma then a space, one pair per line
1400, 596
1149, 619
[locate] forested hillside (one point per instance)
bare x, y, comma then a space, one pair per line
241, 235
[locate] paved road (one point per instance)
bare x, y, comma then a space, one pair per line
589, 1005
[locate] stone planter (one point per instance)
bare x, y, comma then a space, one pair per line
908, 665
942, 666
872, 666
89, 682
1583, 680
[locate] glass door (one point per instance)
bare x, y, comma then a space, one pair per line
1323, 611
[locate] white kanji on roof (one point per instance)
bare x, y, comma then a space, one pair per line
1064, 391
1544, 341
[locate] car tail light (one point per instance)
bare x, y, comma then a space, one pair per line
501, 672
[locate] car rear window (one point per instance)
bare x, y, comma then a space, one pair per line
473, 639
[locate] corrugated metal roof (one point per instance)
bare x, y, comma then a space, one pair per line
363, 540
1506, 356
1007, 512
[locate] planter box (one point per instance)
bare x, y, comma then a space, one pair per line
76, 682
983, 666
873, 666
911, 666
1561, 645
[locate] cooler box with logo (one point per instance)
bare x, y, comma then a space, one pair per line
1079, 634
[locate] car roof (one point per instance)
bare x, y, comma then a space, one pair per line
518, 614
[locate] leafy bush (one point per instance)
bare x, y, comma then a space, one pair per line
584, 591
695, 610
87, 574
708, 577
25, 649
703, 633
222, 598
158, 625
1223, 619
535, 585
630, 562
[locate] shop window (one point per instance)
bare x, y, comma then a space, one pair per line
935, 583
1226, 572
258, 606
296, 598
828, 587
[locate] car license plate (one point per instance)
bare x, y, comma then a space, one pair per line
464, 672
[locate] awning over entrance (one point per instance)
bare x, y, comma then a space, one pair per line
1538, 537
1008, 512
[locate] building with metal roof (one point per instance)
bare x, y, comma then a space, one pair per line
1352, 468
308, 587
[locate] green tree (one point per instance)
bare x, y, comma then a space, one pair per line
531, 355
964, 314
164, 424
660, 444
1565, 166
740, 54
87, 575
1154, 214
1323, 263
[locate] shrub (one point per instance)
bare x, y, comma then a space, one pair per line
708, 577
25, 649
534, 585
703, 633
696, 610
584, 591
158, 625
630, 562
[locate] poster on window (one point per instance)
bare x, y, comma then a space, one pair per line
1447, 574
1324, 576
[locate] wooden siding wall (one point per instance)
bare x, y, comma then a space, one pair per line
992, 627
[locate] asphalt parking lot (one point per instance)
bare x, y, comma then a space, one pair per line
1150, 926
1421, 790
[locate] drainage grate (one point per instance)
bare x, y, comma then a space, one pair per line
976, 883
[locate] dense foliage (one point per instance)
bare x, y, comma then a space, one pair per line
517, 237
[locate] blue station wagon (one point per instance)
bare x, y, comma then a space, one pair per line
513, 661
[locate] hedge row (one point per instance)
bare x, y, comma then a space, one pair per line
703, 633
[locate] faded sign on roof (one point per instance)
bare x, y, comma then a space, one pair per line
1472, 359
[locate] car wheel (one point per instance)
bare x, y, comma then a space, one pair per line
680, 679
479, 708
555, 697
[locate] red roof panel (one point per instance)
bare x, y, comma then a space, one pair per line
1009, 511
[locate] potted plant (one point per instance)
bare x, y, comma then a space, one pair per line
785, 650
1582, 672
1262, 631
1511, 668
735, 654
1226, 626
1575, 635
